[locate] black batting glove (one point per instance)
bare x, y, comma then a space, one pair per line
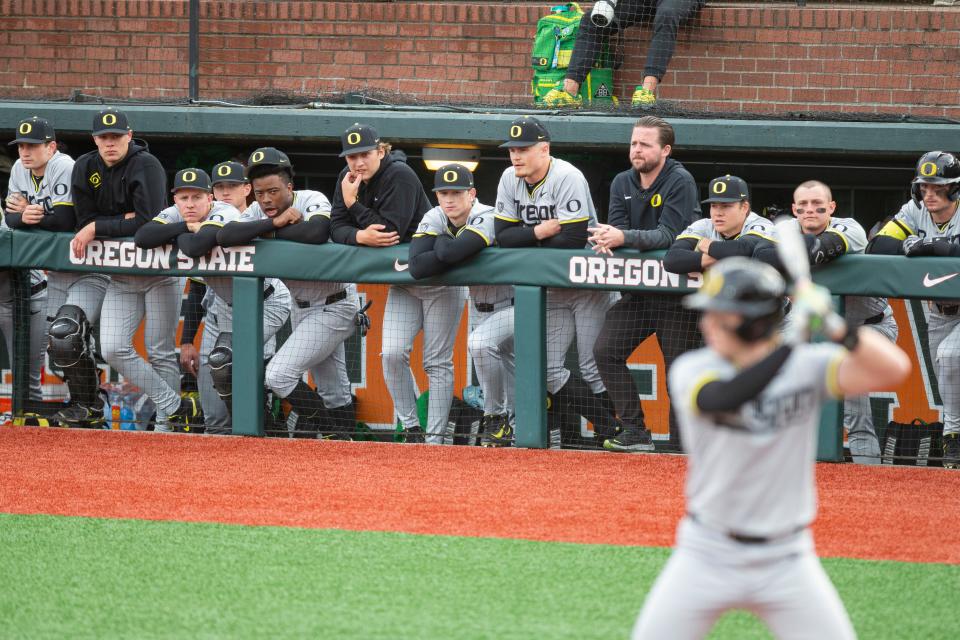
362, 320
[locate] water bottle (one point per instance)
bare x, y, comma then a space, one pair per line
128, 419
112, 406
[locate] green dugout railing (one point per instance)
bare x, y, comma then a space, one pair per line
531, 270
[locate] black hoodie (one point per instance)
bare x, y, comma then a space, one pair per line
652, 218
136, 184
394, 197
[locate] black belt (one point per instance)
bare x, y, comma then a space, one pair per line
746, 539
335, 297
37, 288
487, 307
269, 291
877, 319
947, 309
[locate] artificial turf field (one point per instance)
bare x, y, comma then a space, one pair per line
143, 535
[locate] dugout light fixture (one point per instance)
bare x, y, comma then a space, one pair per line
437, 155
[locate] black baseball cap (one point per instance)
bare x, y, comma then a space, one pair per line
191, 179
453, 177
727, 189
359, 138
526, 132
110, 120
228, 171
34, 130
267, 156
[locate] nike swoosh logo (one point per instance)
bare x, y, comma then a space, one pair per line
627, 197
403, 267
932, 282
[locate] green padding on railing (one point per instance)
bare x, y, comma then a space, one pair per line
894, 276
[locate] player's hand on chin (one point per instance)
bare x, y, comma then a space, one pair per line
193, 227
82, 239
375, 236
349, 187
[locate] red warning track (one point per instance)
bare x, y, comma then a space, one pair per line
866, 512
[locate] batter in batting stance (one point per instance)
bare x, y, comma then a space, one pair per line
324, 313
38, 197
544, 201
192, 224
749, 408
928, 225
450, 234
379, 202
650, 205
116, 189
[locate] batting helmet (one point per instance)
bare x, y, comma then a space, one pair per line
937, 167
753, 290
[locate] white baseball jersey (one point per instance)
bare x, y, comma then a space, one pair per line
753, 225
52, 189
563, 194
752, 471
435, 222
310, 204
914, 220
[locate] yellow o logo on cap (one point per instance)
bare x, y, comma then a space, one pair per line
719, 187
515, 131
223, 170
25, 128
109, 119
353, 138
928, 169
450, 176
656, 200
257, 156
188, 176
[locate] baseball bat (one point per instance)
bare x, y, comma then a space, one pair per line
792, 251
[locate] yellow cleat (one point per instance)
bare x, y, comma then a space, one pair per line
558, 99
644, 98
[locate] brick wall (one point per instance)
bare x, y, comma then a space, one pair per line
736, 57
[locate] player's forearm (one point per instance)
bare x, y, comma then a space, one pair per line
423, 259
63, 218
120, 226
342, 228
513, 234
724, 396
740, 247
573, 235
459, 249
313, 231
199, 243
885, 245
648, 239
875, 364
154, 234
681, 257
237, 233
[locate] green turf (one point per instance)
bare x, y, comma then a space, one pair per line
84, 577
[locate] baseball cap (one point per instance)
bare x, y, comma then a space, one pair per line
453, 177
191, 179
727, 189
110, 120
267, 156
526, 132
34, 131
228, 171
359, 138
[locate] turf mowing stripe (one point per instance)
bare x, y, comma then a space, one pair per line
88, 577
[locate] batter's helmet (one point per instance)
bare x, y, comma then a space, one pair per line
937, 167
754, 290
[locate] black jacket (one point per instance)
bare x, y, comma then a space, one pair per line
136, 184
394, 197
652, 218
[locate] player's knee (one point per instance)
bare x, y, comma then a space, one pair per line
68, 336
395, 355
481, 346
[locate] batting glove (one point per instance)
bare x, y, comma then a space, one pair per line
915, 246
363, 320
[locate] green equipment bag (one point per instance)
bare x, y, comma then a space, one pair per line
556, 33
596, 89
